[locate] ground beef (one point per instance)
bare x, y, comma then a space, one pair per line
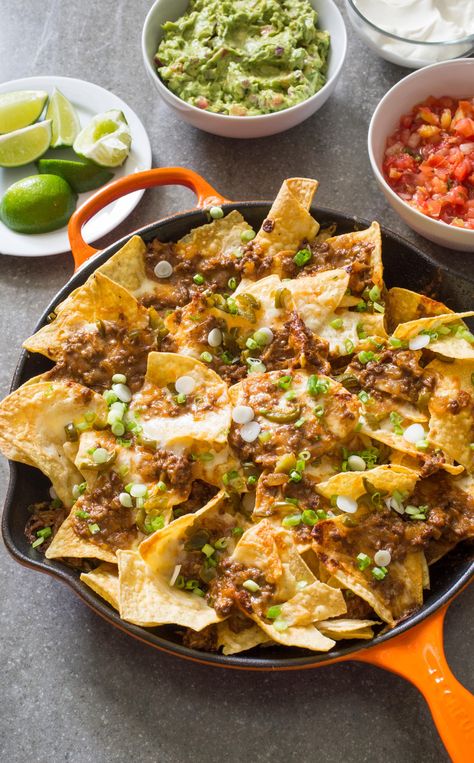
226, 592
201, 493
92, 358
44, 515
160, 464
357, 608
205, 640
116, 523
395, 372
295, 346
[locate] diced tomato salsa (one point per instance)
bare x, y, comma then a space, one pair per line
429, 160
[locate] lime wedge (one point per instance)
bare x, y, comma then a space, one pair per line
20, 109
106, 140
38, 204
81, 176
65, 122
25, 145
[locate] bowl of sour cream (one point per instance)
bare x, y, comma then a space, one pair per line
415, 33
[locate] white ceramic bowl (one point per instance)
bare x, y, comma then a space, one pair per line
451, 78
404, 51
329, 19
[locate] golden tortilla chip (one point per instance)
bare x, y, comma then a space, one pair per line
201, 420
298, 597
32, 428
338, 545
342, 628
347, 332
147, 599
384, 479
315, 297
127, 268
67, 543
345, 251
449, 335
233, 643
288, 222
104, 581
451, 406
98, 300
274, 414
404, 305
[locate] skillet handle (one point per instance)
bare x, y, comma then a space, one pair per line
418, 656
206, 195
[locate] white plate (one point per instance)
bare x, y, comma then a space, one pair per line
88, 99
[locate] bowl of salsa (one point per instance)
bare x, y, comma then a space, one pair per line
246, 69
421, 147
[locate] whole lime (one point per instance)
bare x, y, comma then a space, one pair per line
38, 204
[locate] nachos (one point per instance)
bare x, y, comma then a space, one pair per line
248, 436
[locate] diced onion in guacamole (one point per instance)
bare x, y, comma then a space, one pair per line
244, 57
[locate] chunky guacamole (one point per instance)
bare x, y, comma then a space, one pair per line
244, 57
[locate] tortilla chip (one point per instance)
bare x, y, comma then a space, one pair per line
205, 420
66, 543
233, 643
99, 299
104, 581
451, 407
288, 218
319, 434
338, 545
301, 597
147, 599
343, 628
449, 345
404, 305
348, 245
385, 479
32, 428
316, 297
127, 266
345, 340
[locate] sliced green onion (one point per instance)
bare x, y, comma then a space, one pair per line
138, 490
207, 550
337, 323
302, 257
251, 585
237, 531
284, 382
273, 612
161, 486
216, 213
82, 514
299, 423
37, 542
221, 543
363, 561
206, 357
198, 279
365, 356
379, 572
348, 346
292, 520
247, 235
126, 500
44, 533
181, 398
374, 294
109, 396
309, 517
79, 490
280, 625
319, 410
232, 283
118, 428
100, 456
317, 386
363, 396
119, 379
94, 528
395, 342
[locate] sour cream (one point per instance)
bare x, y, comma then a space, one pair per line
433, 21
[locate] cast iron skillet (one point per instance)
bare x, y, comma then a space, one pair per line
413, 649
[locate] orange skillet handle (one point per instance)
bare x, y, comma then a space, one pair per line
206, 195
418, 656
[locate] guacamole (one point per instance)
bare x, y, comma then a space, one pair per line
244, 57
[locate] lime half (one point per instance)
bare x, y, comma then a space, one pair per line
38, 204
26, 145
106, 140
81, 176
20, 109
65, 122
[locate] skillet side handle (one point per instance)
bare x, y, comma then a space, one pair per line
418, 656
206, 196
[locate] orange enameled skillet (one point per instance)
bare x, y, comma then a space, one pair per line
414, 648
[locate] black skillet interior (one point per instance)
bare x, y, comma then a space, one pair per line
404, 266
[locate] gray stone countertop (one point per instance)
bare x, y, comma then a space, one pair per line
75, 689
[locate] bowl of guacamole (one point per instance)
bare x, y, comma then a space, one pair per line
244, 68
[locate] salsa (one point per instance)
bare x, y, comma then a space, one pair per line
244, 57
429, 160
